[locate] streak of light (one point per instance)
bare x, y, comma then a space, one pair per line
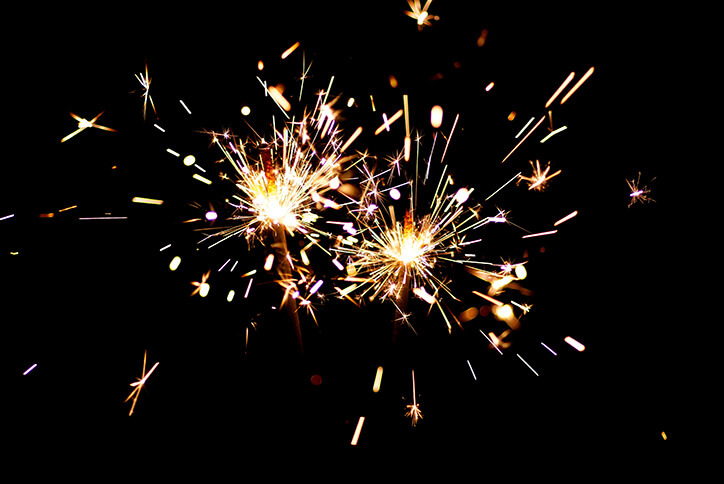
549, 349
414, 408
524, 127
7, 216
169, 150
147, 201
189, 160
663, 435
175, 263
279, 98
491, 341
338, 264
248, 288
472, 371
164, 247
455, 123
316, 286
184, 106
84, 124
489, 87
539, 234
30, 369
46, 215
291, 49
145, 81
566, 218
159, 128
357, 431
560, 89
575, 344
378, 380
350, 102
503, 186
577, 85
354, 136
524, 138
562, 128
138, 385
488, 298
424, 295
269, 262
526, 364
230, 296
68, 208
103, 218
388, 122
201, 179
436, 116
482, 38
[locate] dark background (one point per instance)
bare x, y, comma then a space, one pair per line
85, 299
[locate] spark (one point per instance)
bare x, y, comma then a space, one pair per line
413, 409
387, 122
202, 179
174, 153
549, 349
5, 217
524, 138
148, 201
378, 380
436, 116
575, 344
554, 132
184, 106
32, 367
357, 431
560, 89
291, 49
84, 124
526, 364
492, 343
138, 385
539, 178
638, 193
472, 371
175, 263
420, 14
577, 85
539, 234
145, 81
566, 218
202, 287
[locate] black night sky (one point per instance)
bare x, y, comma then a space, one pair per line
84, 299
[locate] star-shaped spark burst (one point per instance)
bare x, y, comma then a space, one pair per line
413, 409
420, 13
539, 178
84, 124
138, 385
638, 193
145, 81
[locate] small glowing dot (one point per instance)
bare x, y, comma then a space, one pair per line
189, 160
230, 296
393, 81
245, 110
521, 272
350, 102
204, 289
269, 262
260, 65
436, 116
316, 380
512, 115
395, 194
462, 195
211, 215
175, 262
503, 312
489, 87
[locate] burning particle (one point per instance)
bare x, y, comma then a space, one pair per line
147, 201
482, 38
230, 295
201, 179
245, 110
489, 87
30, 369
577, 85
393, 81
549, 349
276, 93
526, 364
316, 380
5, 217
663, 435
560, 89
395, 194
357, 431
46, 215
539, 234
189, 160
211, 215
350, 102
169, 150
316, 286
512, 115
520, 271
204, 289
462, 195
562, 128
436, 116
566, 218
175, 262
260, 65
269, 262
356, 133
184, 106
575, 344
159, 128
387, 122
291, 49
378, 380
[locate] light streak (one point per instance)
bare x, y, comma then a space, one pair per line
524, 127
169, 150
159, 128
145, 81
107, 217
472, 371
184, 106
638, 193
577, 85
540, 177
515, 177
202, 179
148, 201
491, 342
269, 262
560, 89
436, 116
524, 138
489, 87
413, 410
84, 124
388, 122
230, 295
138, 385
566, 218
539, 234
175, 263
526, 364
575, 344
5, 217
291, 49
378, 380
32, 367
357, 431
351, 139
549, 349
420, 13
562, 128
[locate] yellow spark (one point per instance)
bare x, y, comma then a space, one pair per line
539, 234
638, 193
84, 124
436, 116
202, 179
277, 95
175, 263
524, 138
420, 14
148, 201
354, 136
575, 344
291, 49
245, 110
378, 380
357, 431
566, 218
560, 89
539, 178
145, 81
202, 287
269, 262
577, 85
138, 385
388, 122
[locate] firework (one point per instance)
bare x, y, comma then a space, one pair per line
638, 193
138, 385
84, 124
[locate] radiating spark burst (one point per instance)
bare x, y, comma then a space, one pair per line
84, 124
413, 409
638, 193
420, 13
282, 183
138, 385
145, 81
539, 178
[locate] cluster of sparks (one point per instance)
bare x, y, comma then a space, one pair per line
282, 184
